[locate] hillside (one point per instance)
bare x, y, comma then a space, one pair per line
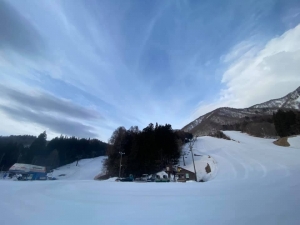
86, 169
257, 117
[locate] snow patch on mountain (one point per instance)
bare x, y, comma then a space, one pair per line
289, 101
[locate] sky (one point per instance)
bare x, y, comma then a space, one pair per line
85, 68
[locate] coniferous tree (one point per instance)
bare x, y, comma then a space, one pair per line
146, 151
286, 122
37, 148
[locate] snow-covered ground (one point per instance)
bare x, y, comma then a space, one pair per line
202, 159
294, 141
257, 182
86, 169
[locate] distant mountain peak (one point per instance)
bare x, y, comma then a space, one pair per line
225, 116
290, 101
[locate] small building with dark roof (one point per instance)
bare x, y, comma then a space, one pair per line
184, 174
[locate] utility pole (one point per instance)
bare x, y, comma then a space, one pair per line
121, 153
2, 158
183, 155
191, 144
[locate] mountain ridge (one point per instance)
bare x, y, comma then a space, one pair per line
289, 101
226, 117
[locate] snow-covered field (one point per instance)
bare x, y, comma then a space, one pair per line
257, 182
294, 142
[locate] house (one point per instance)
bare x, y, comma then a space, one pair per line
28, 171
184, 174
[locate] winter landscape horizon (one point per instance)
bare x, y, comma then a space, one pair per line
254, 181
85, 69
149, 112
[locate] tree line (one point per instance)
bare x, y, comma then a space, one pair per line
57, 152
146, 151
25, 140
287, 123
282, 123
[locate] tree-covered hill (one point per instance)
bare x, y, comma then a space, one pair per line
56, 152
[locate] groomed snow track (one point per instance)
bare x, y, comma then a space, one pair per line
249, 158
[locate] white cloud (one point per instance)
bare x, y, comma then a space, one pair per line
259, 76
244, 48
11, 126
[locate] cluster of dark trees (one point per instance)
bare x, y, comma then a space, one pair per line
283, 123
25, 140
287, 123
259, 126
57, 152
146, 151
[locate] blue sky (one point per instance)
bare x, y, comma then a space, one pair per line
85, 68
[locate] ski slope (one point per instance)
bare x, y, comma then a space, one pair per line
256, 182
202, 159
86, 169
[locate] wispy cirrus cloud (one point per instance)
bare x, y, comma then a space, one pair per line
52, 113
130, 62
18, 34
50, 122
38, 101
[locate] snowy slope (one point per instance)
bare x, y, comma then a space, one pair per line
247, 157
201, 160
257, 182
86, 169
294, 142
